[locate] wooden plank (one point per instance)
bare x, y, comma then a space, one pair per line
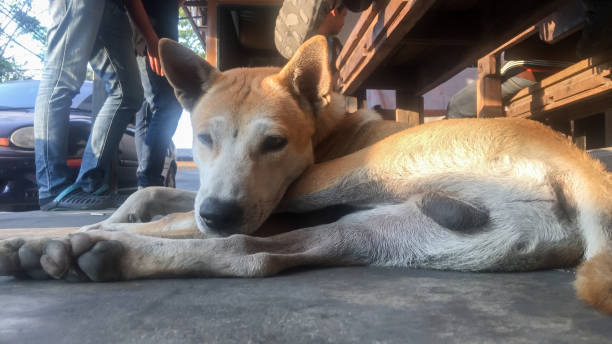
409, 109
579, 87
583, 80
360, 27
566, 73
488, 88
386, 30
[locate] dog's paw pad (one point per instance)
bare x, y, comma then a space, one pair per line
29, 257
81, 243
101, 262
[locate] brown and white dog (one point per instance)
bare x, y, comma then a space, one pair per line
470, 195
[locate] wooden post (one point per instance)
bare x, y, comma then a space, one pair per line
409, 108
488, 88
211, 33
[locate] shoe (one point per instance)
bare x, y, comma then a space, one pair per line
74, 198
299, 20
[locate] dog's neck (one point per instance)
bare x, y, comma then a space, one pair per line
339, 133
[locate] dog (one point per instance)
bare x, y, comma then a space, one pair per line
468, 194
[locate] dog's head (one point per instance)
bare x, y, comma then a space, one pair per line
253, 130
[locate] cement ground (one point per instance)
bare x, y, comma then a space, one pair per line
335, 305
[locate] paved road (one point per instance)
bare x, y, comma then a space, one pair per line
186, 179
339, 305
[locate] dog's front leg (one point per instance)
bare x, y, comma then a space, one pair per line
146, 204
175, 226
107, 255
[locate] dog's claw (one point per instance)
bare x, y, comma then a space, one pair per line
9, 256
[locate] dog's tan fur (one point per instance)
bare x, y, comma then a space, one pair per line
497, 194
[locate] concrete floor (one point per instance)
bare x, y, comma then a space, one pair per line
339, 305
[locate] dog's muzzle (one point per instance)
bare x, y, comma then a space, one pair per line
221, 216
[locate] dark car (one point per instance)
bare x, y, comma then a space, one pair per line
18, 189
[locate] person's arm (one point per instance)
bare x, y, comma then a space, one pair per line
140, 18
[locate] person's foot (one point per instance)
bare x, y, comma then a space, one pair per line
299, 20
74, 198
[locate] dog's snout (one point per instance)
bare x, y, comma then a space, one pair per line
220, 215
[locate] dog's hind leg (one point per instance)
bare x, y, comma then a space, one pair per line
592, 193
146, 204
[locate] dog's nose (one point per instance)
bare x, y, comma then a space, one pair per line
220, 215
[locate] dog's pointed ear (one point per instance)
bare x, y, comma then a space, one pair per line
189, 74
307, 74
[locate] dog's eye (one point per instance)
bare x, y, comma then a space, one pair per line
273, 143
206, 139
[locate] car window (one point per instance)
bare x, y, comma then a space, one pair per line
18, 94
21, 94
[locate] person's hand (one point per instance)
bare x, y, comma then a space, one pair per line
153, 55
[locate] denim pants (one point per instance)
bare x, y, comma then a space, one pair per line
82, 31
160, 112
463, 103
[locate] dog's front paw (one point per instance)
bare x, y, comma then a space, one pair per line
94, 256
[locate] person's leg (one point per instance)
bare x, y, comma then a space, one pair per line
157, 119
113, 60
74, 26
463, 103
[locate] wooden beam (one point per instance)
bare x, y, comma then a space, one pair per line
438, 69
577, 91
383, 31
488, 88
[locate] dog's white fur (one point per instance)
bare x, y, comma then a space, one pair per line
497, 194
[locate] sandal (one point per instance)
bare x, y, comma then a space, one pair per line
73, 198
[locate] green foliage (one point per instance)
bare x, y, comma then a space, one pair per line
10, 70
27, 24
188, 37
16, 24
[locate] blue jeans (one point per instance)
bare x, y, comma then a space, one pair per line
159, 115
82, 31
463, 103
